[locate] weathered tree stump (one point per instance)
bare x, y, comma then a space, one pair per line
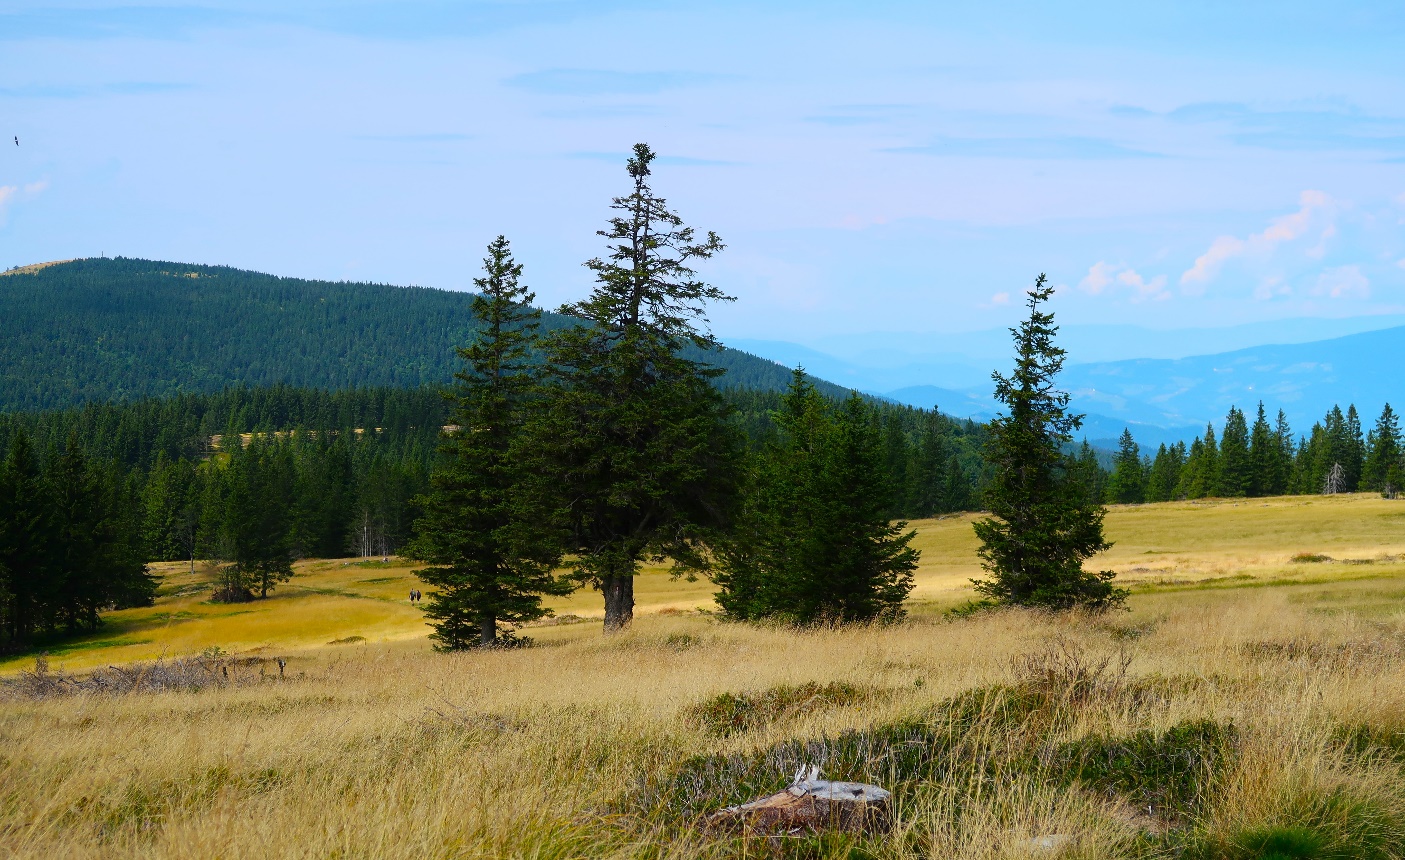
811, 803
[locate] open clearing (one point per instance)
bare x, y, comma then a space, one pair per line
1245, 696
1174, 546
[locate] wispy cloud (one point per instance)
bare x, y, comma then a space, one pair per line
12, 193
586, 82
133, 21
1334, 128
1054, 148
860, 114
1313, 205
432, 137
602, 112
1103, 277
79, 91
1343, 282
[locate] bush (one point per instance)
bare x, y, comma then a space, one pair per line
732, 713
1168, 772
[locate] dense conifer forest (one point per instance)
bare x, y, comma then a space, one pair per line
98, 330
313, 473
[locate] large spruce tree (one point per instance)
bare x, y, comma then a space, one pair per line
635, 432
1382, 468
490, 548
1044, 525
814, 541
1236, 476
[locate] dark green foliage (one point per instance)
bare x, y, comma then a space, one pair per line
733, 713
1236, 476
1044, 523
69, 544
813, 541
491, 551
1164, 477
1384, 466
1167, 771
133, 329
633, 439
1201, 476
1129, 476
254, 537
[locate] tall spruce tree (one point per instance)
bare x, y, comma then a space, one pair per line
1236, 473
1287, 452
1043, 524
635, 433
1263, 456
1128, 482
491, 550
813, 541
1201, 476
1382, 469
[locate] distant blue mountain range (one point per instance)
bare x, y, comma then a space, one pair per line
1160, 398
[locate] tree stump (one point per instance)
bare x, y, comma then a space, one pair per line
811, 803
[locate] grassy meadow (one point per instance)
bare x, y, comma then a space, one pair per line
1249, 705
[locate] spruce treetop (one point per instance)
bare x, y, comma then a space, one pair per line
647, 281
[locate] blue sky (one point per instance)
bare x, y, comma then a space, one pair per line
875, 166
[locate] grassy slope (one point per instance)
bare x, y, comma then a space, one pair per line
1188, 545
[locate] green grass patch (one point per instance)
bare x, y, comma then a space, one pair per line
1167, 771
1336, 826
379, 580
733, 713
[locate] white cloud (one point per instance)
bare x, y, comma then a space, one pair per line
1271, 286
1099, 278
1103, 275
1343, 282
1400, 262
1004, 298
13, 193
1285, 228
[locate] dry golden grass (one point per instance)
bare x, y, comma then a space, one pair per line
382, 748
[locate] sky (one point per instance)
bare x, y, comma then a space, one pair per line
876, 166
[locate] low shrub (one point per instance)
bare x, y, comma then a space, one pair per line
1335, 826
733, 713
1166, 772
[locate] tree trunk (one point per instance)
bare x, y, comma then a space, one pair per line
812, 803
488, 631
619, 602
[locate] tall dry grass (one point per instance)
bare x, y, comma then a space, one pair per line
388, 750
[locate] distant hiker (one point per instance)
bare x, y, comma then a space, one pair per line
282, 664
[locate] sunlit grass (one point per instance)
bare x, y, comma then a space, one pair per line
378, 747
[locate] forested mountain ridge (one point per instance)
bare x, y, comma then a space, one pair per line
121, 329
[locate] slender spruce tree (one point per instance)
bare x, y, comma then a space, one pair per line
490, 548
1382, 469
1236, 473
1128, 482
635, 431
1044, 525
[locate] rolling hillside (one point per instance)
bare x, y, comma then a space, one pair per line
119, 329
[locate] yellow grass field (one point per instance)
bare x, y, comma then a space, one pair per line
1271, 691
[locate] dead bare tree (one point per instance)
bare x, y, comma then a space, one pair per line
1336, 481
